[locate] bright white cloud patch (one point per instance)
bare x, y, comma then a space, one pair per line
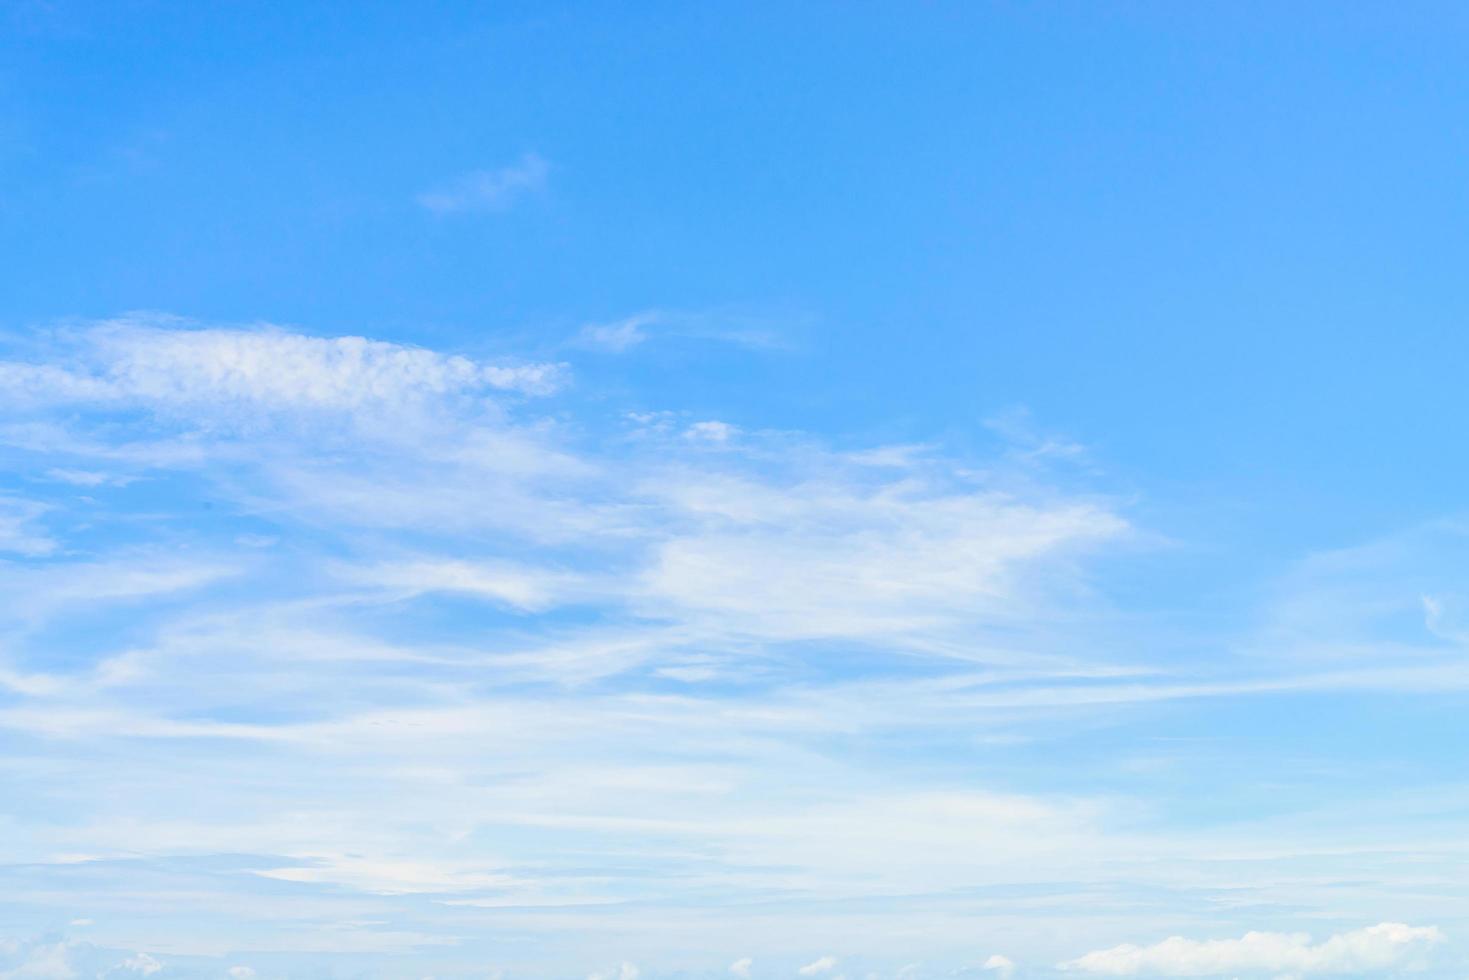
1388, 946
741, 966
824, 964
1002, 965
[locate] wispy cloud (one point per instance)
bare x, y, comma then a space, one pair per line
754, 331
19, 528
488, 190
63, 959
618, 335
660, 685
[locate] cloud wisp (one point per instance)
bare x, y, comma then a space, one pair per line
617, 336
488, 190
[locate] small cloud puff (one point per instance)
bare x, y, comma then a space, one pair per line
824, 965
711, 431
1002, 965
741, 966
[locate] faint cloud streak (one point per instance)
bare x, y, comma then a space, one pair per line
488, 190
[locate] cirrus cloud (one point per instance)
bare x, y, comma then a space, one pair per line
488, 190
160, 362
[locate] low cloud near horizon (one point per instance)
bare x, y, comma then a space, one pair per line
1386, 947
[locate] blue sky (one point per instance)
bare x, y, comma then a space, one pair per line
856, 492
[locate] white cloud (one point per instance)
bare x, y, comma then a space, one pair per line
387, 876
832, 558
899, 456
741, 967
159, 364
17, 533
241, 973
43, 961
753, 332
522, 588
142, 964
32, 684
1018, 428
711, 431
625, 971
1387, 946
1000, 964
88, 478
66, 959
25, 383
488, 190
816, 967
37, 592
617, 336
485, 741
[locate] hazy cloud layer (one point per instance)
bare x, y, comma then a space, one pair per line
353, 648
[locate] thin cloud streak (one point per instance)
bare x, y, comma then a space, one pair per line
488, 190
